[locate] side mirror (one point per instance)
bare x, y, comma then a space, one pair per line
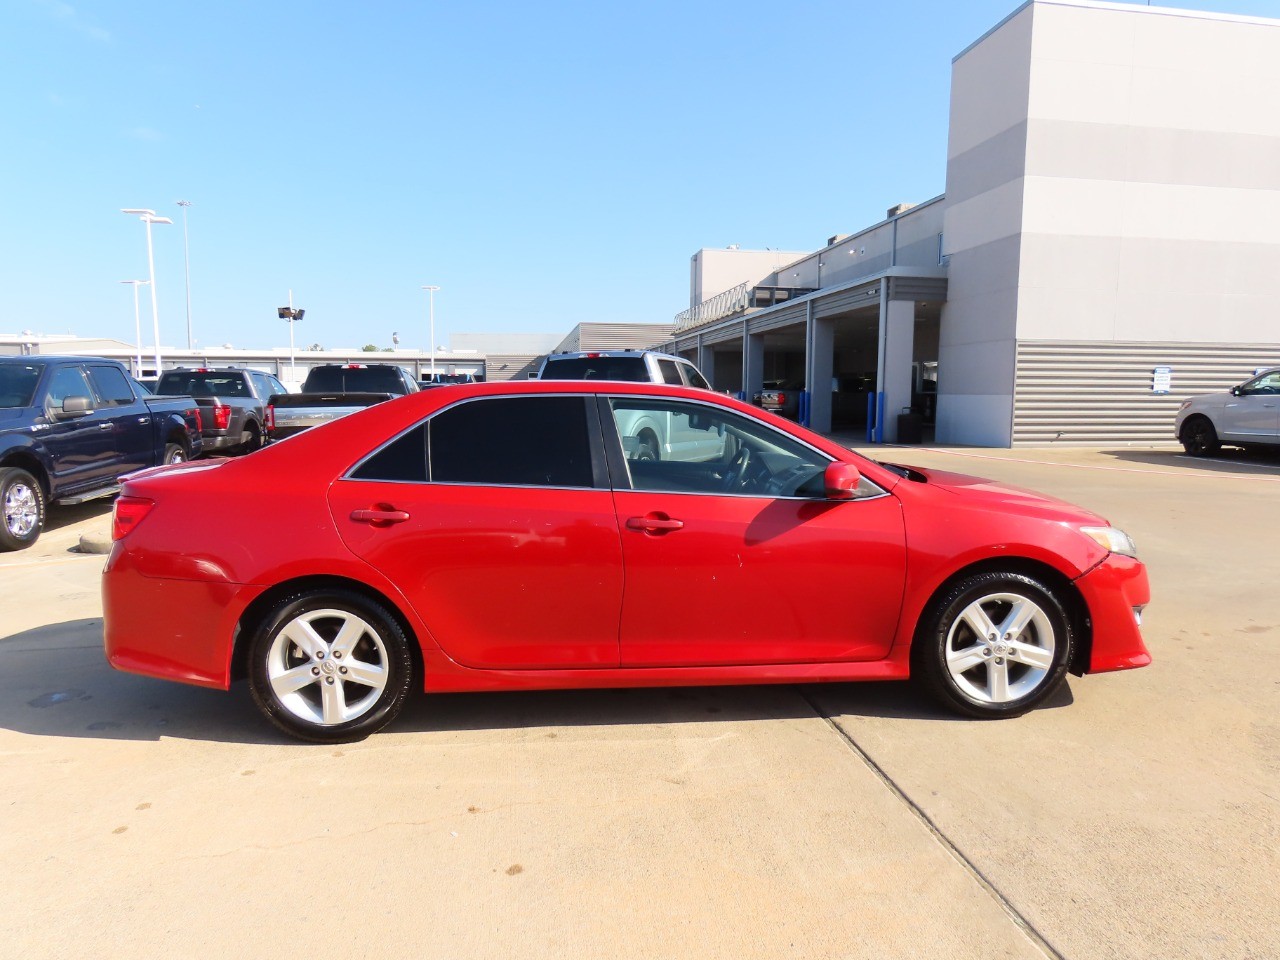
75, 407
699, 421
1236, 392
840, 481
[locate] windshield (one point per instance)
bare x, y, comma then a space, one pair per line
18, 384
596, 368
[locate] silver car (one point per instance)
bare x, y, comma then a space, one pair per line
1247, 415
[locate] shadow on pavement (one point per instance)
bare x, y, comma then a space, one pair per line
1243, 462
58, 517
57, 683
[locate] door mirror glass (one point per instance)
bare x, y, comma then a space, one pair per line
841, 480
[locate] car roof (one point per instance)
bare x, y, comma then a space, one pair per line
573, 355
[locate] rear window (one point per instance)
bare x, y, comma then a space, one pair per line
18, 384
596, 368
182, 383
354, 380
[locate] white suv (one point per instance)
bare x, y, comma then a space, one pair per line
635, 366
652, 435
1247, 415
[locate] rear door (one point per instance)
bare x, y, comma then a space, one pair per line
132, 434
495, 519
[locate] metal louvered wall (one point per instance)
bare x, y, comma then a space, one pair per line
1086, 392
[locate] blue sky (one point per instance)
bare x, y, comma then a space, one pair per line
544, 164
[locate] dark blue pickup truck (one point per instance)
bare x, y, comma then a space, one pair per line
70, 427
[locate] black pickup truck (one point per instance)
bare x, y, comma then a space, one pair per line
233, 403
335, 390
70, 427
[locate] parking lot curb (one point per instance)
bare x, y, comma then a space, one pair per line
95, 543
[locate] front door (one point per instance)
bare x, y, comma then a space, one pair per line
1253, 412
503, 539
738, 558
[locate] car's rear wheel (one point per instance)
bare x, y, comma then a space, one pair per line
993, 645
174, 453
1199, 438
329, 666
22, 502
251, 439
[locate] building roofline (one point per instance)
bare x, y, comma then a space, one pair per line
1125, 8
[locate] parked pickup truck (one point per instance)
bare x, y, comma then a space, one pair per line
335, 390
70, 427
233, 403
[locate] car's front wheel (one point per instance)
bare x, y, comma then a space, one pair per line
22, 501
329, 666
1199, 438
993, 645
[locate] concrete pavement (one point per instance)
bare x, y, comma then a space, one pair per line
1139, 820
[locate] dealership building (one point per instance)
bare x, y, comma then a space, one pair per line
1107, 244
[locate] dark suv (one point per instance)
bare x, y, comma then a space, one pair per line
232, 403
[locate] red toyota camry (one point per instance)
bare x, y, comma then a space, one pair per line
565, 534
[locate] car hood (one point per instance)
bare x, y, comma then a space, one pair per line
981, 493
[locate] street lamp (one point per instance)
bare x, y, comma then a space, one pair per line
186, 262
149, 217
431, 299
137, 326
293, 316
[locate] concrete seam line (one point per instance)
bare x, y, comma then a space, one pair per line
957, 854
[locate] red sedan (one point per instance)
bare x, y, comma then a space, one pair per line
522, 536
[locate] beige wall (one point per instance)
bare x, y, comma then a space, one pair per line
714, 271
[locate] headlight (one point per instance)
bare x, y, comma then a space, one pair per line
1109, 538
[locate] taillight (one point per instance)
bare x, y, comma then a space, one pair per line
221, 416
199, 420
270, 418
782, 398
128, 513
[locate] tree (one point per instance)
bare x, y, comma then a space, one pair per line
370, 348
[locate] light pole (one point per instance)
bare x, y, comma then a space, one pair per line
149, 217
293, 316
431, 312
186, 262
137, 326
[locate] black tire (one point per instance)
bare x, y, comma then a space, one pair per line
252, 438
648, 449
323, 684
21, 509
1000, 675
175, 453
1199, 438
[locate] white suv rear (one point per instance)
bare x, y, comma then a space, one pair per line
635, 366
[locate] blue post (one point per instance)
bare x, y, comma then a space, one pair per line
871, 417
802, 408
880, 417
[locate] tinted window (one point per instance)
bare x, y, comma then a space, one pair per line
695, 378
670, 372
113, 389
705, 449
68, 382
192, 384
523, 441
596, 368
1268, 383
403, 460
18, 384
355, 380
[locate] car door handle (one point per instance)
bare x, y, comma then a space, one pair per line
379, 516
654, 523
106, 426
